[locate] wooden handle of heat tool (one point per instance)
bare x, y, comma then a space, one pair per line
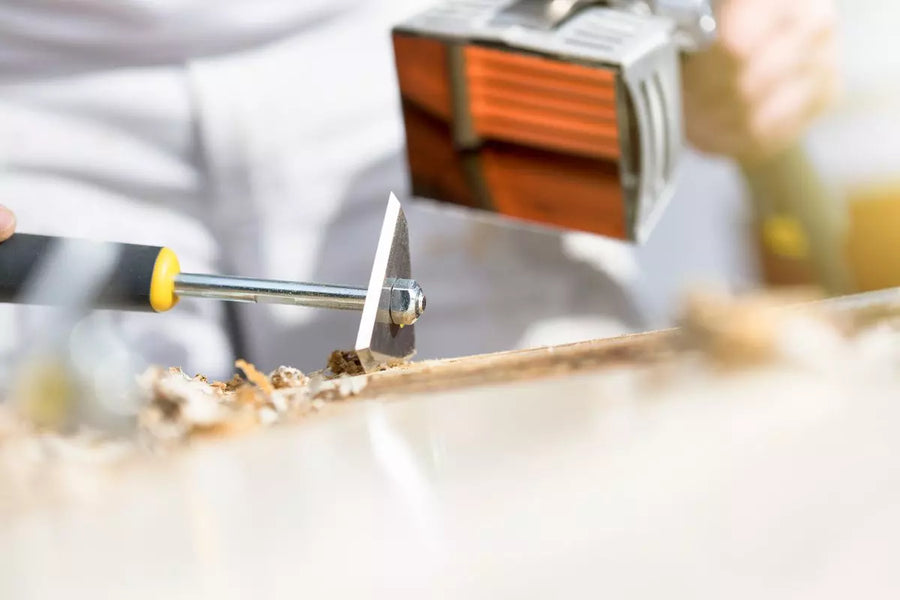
141, 278
788, 189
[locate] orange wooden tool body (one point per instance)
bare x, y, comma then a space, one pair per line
546, 133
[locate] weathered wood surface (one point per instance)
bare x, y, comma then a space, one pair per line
507, 367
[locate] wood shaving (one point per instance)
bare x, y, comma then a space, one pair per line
255, 376
347, 362
742, 334
351, 386
287, 377
249, 396
176, 406
229, 386
749, 330
343, 362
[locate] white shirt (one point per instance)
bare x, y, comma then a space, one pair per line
42, 37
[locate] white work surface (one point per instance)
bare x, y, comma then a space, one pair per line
781, 484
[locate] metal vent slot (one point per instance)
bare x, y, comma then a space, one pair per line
460, 10
650, 169
599, 36
612, 21
649, 106
599, 32
657, 132
593, 45
659, 91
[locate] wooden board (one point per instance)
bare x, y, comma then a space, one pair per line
621, 468
522, 365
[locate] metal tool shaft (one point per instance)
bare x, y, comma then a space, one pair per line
242, 289
404, 306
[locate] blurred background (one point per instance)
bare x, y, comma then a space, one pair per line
853, 149
856, 146
263, 141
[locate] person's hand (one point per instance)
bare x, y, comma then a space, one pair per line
772, 70
7, 223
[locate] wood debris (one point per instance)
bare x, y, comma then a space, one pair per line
749, 330
175, 410
343, 362
177, 407
287, 377
718, 330
347, 362
255, 376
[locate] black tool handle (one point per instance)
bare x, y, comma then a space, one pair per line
126, 286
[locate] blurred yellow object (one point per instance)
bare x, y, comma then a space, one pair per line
44, 392
784, 236
873, 244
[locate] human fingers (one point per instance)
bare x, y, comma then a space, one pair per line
794, 49
747, 130
759, 43
793, 104
744, 26
7, 223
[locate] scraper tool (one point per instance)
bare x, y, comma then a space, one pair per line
150, 278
